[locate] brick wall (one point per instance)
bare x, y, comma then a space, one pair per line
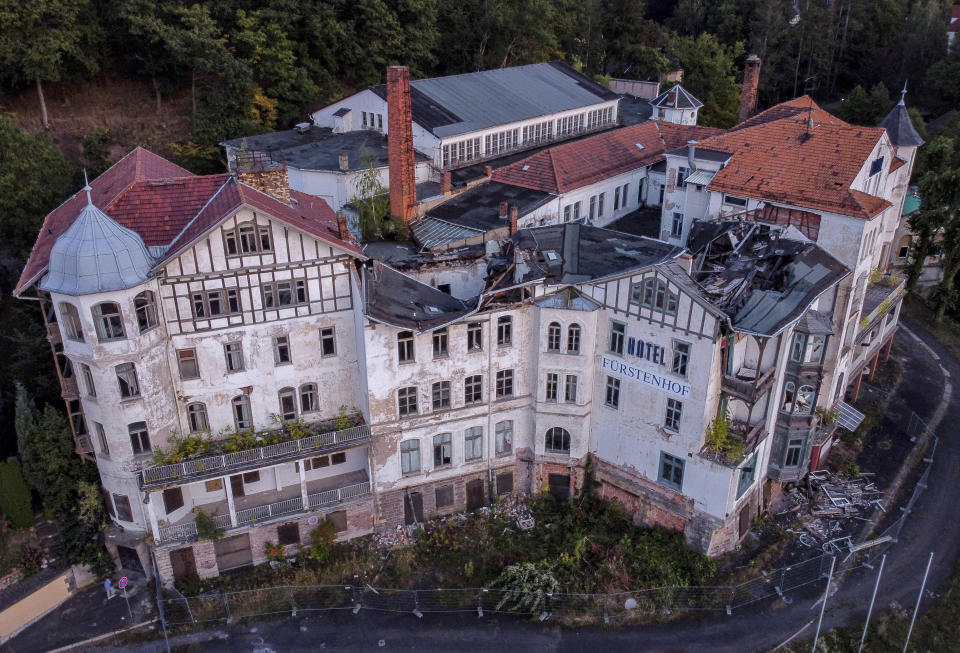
273, 182
403, 192
751, 80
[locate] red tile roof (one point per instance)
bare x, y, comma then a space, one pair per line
802, 105
309, 213
158, 210
569, 166
783, 160
167, 205
138, 165
896, 163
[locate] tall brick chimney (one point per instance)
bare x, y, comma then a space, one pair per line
751, 80
403, 191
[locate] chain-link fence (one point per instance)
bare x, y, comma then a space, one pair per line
633, 606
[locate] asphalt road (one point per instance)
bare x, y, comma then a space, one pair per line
933, 526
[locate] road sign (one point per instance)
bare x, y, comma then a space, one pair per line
123, 583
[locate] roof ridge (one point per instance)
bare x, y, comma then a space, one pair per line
553, 166
202, 209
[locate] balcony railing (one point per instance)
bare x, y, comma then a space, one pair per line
84, 443
274, 453
749, 390
187, 531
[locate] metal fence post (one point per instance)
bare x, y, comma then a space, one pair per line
916, 608
873, 598
823, 606
293, 604
226, 605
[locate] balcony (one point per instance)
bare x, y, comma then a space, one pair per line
84, 444
69, 389
740, 432
259, 509
745, 385
221, 465
53, 333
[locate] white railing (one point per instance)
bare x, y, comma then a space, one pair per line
160, 473
338, 495
187, 531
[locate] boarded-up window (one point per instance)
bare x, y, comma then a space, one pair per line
504, 483
122, 504
288, 533
214, 485
444, 496
172, 499
339, 520
251, 477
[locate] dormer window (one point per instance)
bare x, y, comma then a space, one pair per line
876, 166
248, 238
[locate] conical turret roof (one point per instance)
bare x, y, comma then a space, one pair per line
900, 127
95, 254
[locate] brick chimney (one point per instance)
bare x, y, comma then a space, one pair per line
265, 171
514, 215
446, 183
403, 191
751, 80
344, 161
504, 210
345, 233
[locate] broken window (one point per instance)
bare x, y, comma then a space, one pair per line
88, 384
504, 383
657, 295
674, 412
288, 404
805, 396
197, 417
328, 342
681, 357
676, 225
284, 293
127, 380
101, 438
557, 441
241, 412
405, 346
281, 350
553, 336
573, 339
233, 353
172, 499
108, 321
70, 319
122, 504
309, 399
442, 450
410, 456
215, 303
504, 483
247, 239
145, 306
789, 395
288, 534
504, 330
747, 473
473, 389
794, 452
407, 401
671, 471
440, 342
474, 336
504, 437
139, 438
187, 360
441, 395
444, 496
473, 443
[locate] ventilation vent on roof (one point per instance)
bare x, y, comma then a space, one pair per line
551, 255
433, 309
525, 168
639, 146
301, 127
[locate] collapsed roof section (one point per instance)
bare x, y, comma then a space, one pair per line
577, 253
763, 277
400, 301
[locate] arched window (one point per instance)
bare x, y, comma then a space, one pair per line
288, 403
573, 339
553, 337
108, 321
145, 305
241, 412
804, 400
558, 440
197, 417
789, 395
309, 401
70, 318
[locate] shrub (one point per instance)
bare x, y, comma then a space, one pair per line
527, 585
321, 541
29, 560
274, 551
851, 469
15, 497
207, 528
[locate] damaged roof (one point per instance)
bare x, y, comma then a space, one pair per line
397, 300
764, 278
577, 253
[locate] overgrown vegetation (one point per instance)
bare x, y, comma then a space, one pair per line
207, 529
15, 495
722, 441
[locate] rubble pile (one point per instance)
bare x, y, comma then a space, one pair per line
831, 508
514, 508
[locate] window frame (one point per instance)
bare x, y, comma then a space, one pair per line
505, 331
107, 323
216, 303
474, 336
618, 334
441, 395
571, 382
90, 388
145, 307
503, 432
288, 394
406, 353
407, 401
550, 439
410, 455
245, 234
573, 338
124, 511
282, 350
328, 341
441, 343
504, 384
552, 387
793, 445
442, 450
612, 394
242, 413
472, 443
554, 337
132, 382
139, 438
668, 469
197, 420
674, 414
70, 318
312, 391
680, 361
272, 293
233, 350
101, 438
473, 389
187, 357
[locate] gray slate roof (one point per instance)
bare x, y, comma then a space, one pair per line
394, 298
676, 98
95, 254
459, 104
900, 128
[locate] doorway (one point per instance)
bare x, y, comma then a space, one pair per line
129, 559
184, 564
413, 508
233, 552
475, 497
559, 486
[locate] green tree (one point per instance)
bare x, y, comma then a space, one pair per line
43, 40
15, 495
709, 73
372, 202
149, 25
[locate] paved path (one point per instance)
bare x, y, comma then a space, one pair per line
933, 526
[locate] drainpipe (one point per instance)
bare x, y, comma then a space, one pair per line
491, 389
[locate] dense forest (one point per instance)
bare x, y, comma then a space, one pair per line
236, 67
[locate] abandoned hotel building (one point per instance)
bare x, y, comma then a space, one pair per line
576, 286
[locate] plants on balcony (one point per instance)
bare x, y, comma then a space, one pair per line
207, 529
721, 440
